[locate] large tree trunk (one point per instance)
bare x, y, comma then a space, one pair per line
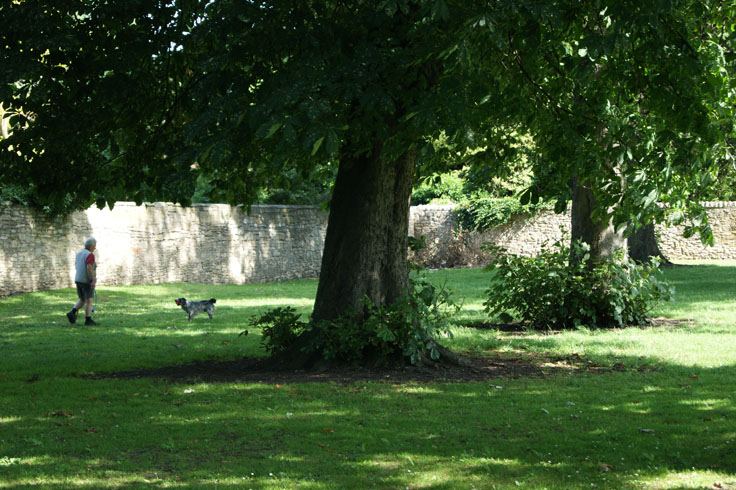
602, 237
643, 246
365, 254
366, 247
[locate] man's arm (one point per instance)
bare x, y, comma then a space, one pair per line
91, 272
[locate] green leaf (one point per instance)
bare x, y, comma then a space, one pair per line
333, 142
440, 10
273, 130
389, 6
434, 354
316, 145
651, 197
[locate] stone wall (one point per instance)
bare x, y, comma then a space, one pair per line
160, 242
447, 246
722, 219
220, 244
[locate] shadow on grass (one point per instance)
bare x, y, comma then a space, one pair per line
614, 431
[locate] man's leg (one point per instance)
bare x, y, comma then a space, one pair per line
72, 315
88, 312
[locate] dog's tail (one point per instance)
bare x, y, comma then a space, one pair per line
213, 300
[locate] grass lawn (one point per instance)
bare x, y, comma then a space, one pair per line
660, 414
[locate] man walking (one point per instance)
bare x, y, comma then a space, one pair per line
86, 280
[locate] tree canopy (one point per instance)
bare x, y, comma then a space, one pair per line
636, 98
131, 94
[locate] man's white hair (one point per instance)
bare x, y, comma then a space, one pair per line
89, 242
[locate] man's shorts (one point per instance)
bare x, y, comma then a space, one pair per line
85, 291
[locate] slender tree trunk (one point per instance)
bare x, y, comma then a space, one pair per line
643, 246
602, 237
365, 254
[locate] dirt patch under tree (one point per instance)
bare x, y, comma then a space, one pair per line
470, 368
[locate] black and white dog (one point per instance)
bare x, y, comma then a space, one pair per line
194, 308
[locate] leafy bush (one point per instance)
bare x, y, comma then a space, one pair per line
14, 194
447, 187
410, 327
281, 327
550, 291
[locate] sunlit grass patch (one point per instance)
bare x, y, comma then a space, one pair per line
645, 407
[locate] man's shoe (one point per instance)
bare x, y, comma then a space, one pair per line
90, 321
72, 316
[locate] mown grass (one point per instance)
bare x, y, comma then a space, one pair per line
663, 416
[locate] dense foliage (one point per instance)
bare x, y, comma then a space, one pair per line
552, 291
444, 188
123, 96
485, 213
409, 328
292, 189
483, 200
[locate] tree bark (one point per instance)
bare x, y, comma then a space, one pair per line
643, 246
602, 237
365, 253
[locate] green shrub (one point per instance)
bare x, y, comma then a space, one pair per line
447, 187
410, 327
280, 328
14, 194
550, 291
